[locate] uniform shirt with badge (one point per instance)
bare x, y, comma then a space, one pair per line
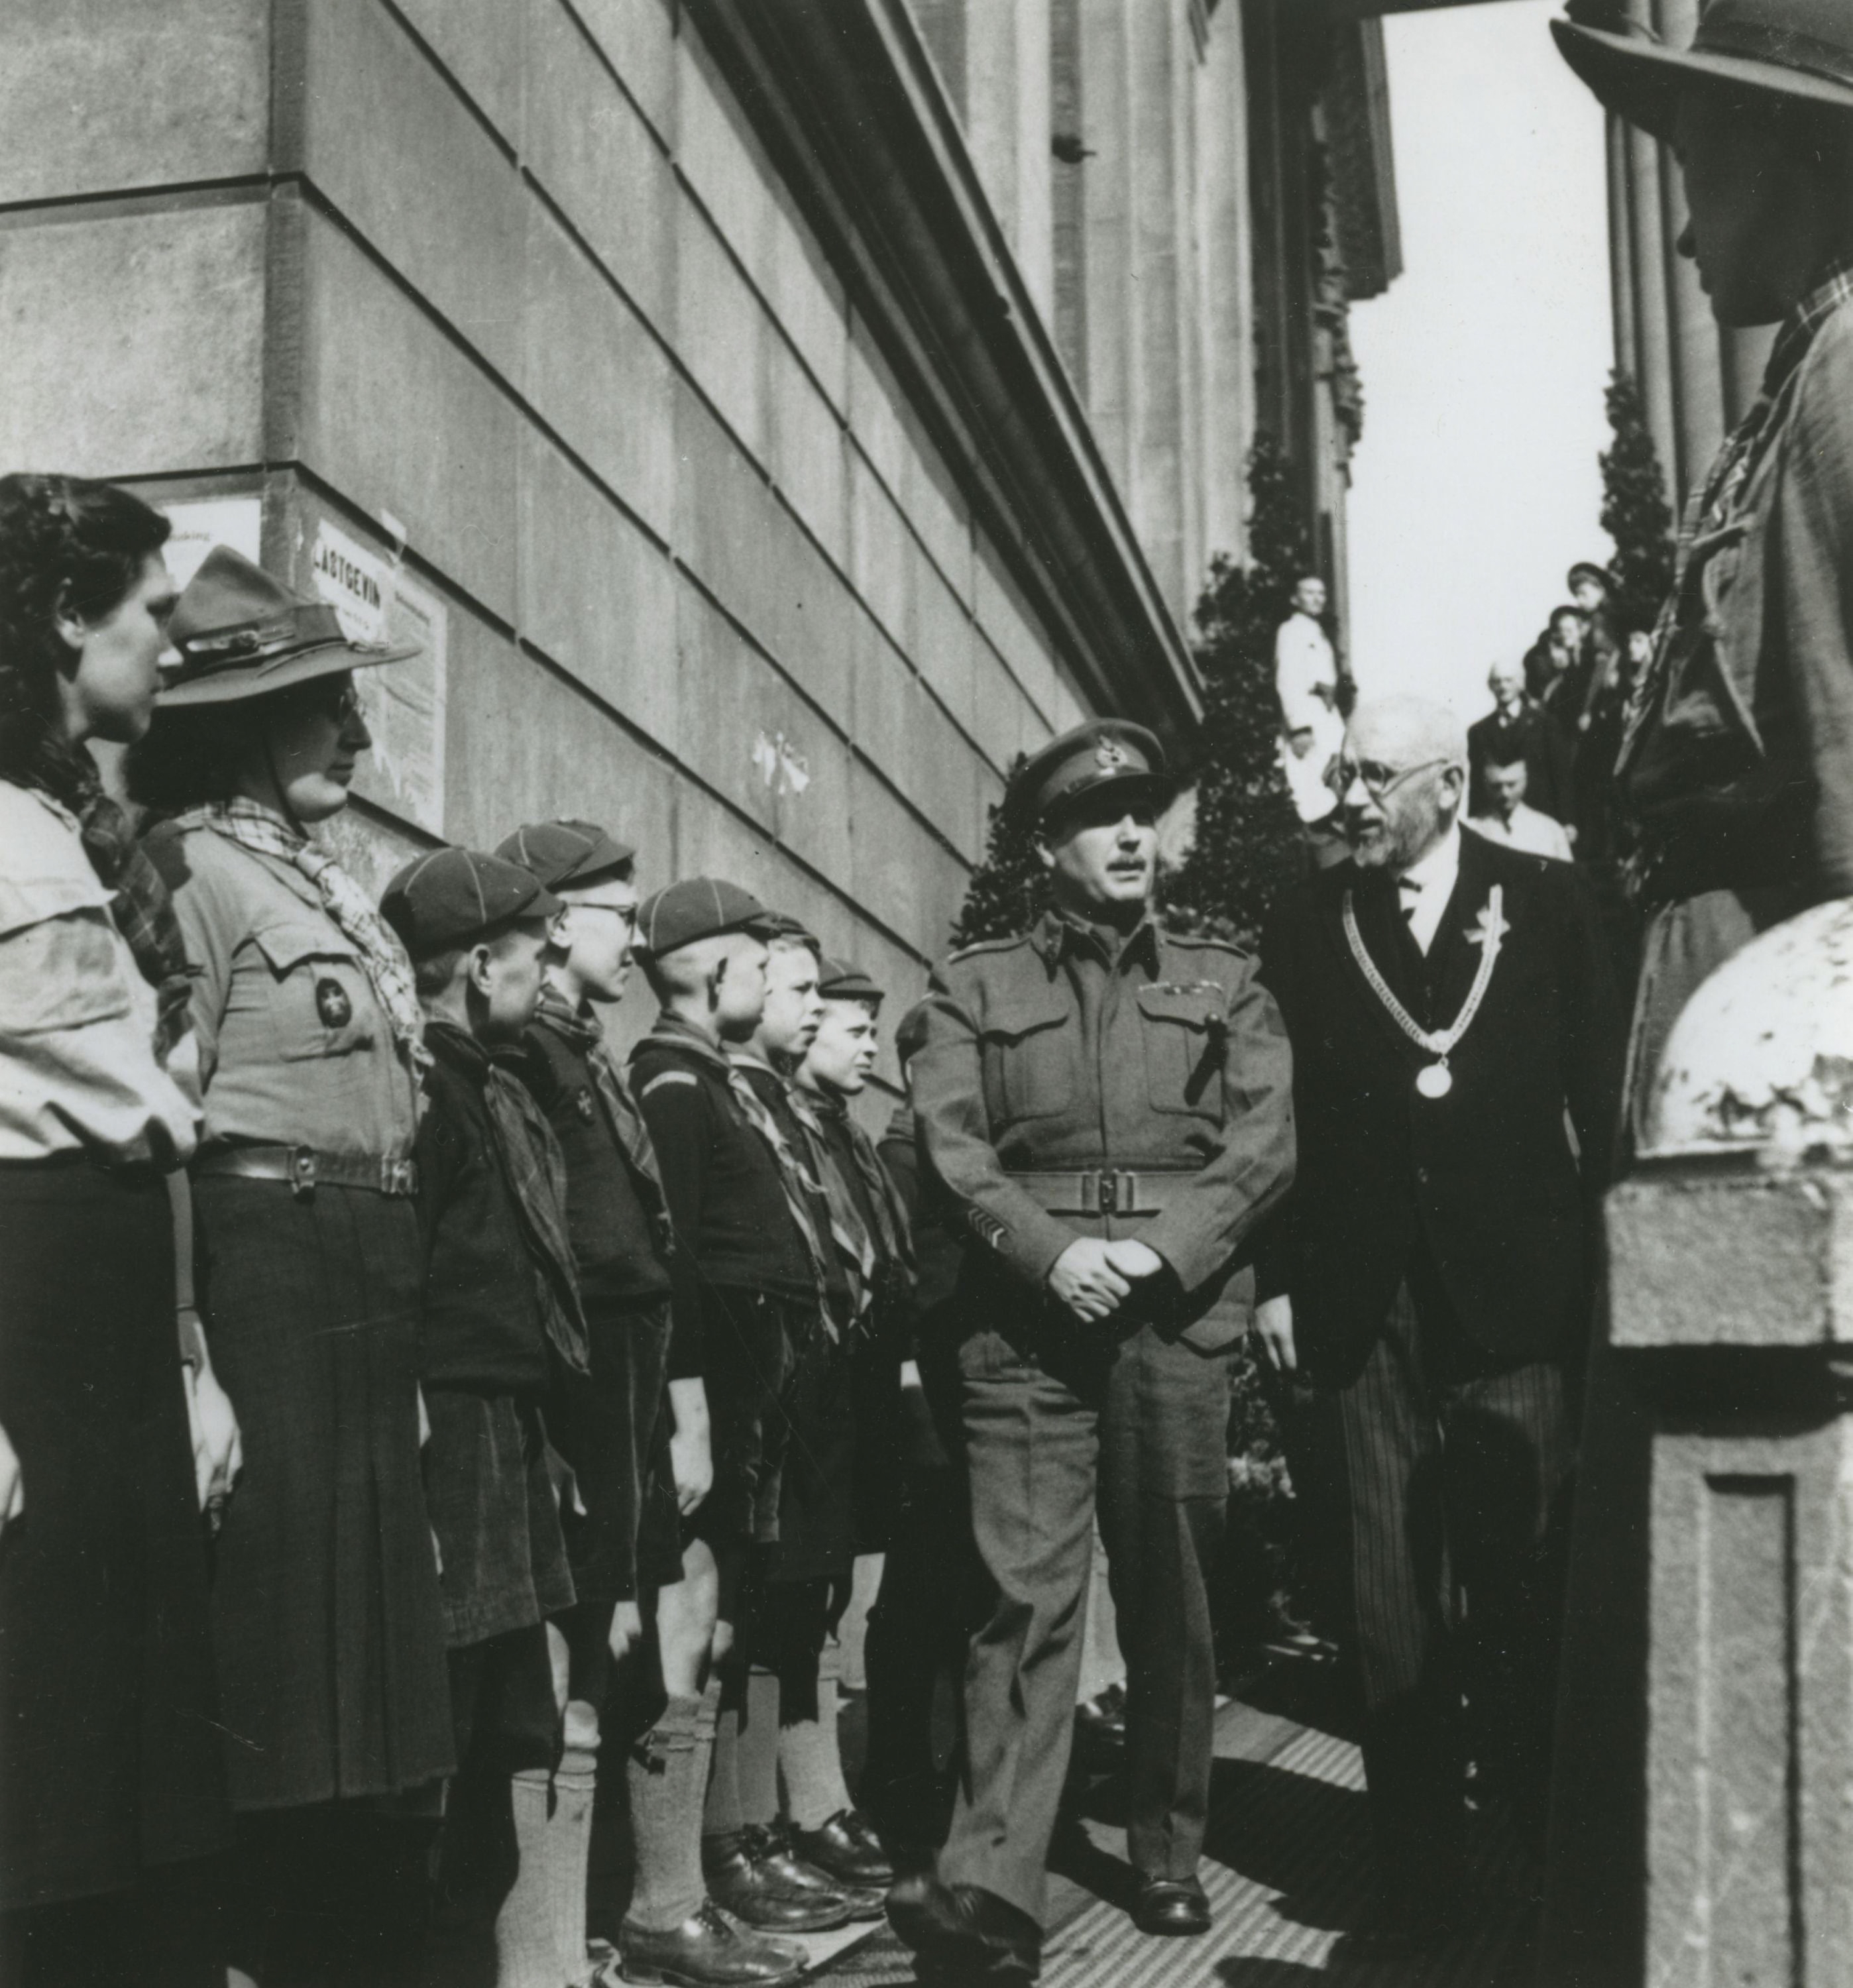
77, 1065
294, 1047
1051, 1053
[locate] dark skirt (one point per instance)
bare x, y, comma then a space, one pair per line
109, 1741
327, 1619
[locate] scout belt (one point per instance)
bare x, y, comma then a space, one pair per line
1093, 1191
306, 1169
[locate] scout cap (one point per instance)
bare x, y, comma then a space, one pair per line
698, 907
910, 1038
1104, 752
841, 981
451, 898
241, 635
563, 853
1802, 49
1588, 570
782, 924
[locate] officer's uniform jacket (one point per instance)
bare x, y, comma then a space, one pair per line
1059, 1094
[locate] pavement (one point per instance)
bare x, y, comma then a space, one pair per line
1286, 1866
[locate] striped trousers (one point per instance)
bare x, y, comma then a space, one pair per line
1444, 1486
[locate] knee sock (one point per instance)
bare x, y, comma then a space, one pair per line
527, 1952
570, 1837
667, 1774
721, 1815
808, 1753
759, 1750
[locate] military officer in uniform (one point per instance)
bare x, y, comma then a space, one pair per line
1109, 1107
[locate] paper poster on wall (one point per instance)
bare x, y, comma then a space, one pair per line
403, 703
201, 523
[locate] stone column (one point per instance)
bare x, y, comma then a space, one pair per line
1107, 230
1228, 412
1693, 331
1007, 126
1620, 253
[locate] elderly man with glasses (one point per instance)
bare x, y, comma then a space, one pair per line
1450, 1010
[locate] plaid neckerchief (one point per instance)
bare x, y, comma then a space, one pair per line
252, 826
801, 1193
534, 1170
1711, 506
585, 1035
855, 1246
141, 907
895, 1235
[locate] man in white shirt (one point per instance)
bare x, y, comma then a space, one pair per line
1306, 682
1509, 820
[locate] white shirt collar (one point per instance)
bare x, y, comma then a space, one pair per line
1441, 865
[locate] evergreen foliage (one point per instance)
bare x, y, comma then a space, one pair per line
1009, 889
1635, 513
1248, 845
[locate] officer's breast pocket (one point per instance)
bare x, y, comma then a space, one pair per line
1184, 1026
320, 1003
1030, 1051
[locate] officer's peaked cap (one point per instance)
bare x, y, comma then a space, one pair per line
1104, 752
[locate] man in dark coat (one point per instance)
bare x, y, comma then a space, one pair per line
1108, 1107
1519, 728
1449, 1000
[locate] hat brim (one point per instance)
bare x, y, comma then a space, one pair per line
1159, 788
237, 686
1641, 81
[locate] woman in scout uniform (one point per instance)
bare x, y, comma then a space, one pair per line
326, 1615
110, 1780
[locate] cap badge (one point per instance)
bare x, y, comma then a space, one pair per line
1109, 756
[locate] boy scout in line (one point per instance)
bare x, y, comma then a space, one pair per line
784, 1619
502, 1317
635, 1432
1109, 1105
745, 1276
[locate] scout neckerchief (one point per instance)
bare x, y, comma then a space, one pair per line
801, 1192
894, 1234
536, 1172
253, 826
142, 910
1434, 1080
1713, 501
584, 1035
855, 1246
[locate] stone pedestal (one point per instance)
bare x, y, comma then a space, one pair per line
1731, 1288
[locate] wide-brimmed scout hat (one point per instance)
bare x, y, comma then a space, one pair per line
241, 634
1798, 48
1103, 752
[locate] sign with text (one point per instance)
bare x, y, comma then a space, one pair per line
403, 703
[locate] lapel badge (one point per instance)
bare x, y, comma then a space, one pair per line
332, 1006
582, 1104
1490, 929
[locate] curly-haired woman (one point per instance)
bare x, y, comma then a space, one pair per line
111, 1787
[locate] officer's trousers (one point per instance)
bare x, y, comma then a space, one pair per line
1147, 1424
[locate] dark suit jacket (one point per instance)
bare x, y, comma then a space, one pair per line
1486, 1175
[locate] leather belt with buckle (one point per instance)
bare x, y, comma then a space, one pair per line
1097, 1190
305, 1169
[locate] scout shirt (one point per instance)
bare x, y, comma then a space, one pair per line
1162, 1056
295, 1048
78, 1071
1737, 762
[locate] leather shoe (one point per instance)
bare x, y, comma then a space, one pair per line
963, 1933
846, 1848
1172, 1906
707, 1951
747, 1879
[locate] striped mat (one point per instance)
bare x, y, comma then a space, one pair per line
1286, 1866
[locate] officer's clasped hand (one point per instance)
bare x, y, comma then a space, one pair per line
1092, 1277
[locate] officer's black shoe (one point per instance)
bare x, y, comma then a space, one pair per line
745, 1878
1172, 1906
962, 1933
847, 1849
707, 1951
